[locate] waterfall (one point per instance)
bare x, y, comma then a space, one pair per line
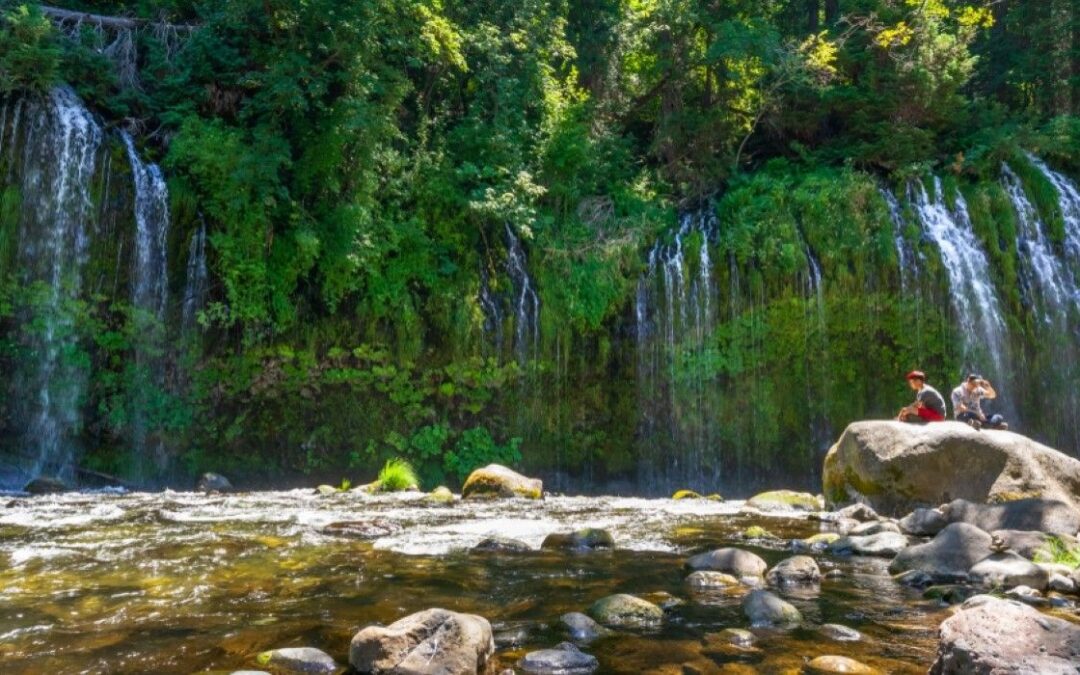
1044, 272
60, 142
981, 326
906, 256
491, 309
525, 302
195, 280
675, 315
1069, 203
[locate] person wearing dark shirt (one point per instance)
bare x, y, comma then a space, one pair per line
929, 405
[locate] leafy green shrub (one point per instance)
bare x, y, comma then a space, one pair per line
397, 475
476, 448
29, 55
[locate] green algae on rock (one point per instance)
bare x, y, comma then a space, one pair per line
498, 482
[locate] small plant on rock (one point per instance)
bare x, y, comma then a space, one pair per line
397, 475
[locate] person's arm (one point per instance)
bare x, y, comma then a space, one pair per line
988, 390
958, 406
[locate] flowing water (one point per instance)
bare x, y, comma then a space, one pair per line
55, 143
525, 302
195, 280
180, 582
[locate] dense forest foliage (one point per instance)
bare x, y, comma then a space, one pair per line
357, 167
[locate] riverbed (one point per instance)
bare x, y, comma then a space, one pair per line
184, 582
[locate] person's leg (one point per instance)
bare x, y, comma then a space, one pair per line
971, 418
997, 422
928, 415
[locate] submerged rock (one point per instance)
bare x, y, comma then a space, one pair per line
565, 659
785, 500
817, 542
881, 544
501, 545
733, 561
213, 482
495, 481
582, 628
626, 611
432, 641
896, 467
840, 633
45, 485
1006, 570
1001, 637
874, 527
298, 660
948, 556
758, 532
831, 665
950, 594
588, 539
361, 529
799, 569
766, 609
732, 644
704, 580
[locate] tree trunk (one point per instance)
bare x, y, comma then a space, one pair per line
832, 12
813, 15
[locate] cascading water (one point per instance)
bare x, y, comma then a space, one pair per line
59, 141
149, 291
525, 303
1069, 203
675, 314
1051, 284
978, 311
195, 280
907, 257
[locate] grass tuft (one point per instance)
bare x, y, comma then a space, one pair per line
397, 475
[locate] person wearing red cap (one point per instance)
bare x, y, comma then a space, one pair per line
929, 405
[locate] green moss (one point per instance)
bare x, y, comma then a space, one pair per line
686, 494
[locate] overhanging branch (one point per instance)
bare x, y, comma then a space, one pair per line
103, 21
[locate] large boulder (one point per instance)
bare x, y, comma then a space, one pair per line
432, 642
1001, 637
1008, 569
213, 482
896, 467
948, 556
1040, 515
923, 522
495, 481
734, 561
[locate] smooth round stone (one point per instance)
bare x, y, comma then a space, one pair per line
626, 611
832, 665
441, 495
501, 545
588, 539
565, 659
766, 609
840, 633
799, 569
711, 580
734, 561
581, 627
1006, 570
298, 660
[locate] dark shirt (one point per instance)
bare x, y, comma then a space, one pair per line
932, 399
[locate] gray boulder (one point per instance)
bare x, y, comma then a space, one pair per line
213, 482
581, 627
799, 569
432, 642
766, 609
565, 659
298, 660
626, 611
1041, 515
895, 467
857, 511
495, 481
706, 580
874, 527
501, 545
885, 544
734, 561
948, 556
1006, 570
989, 636
1031, 545
923, 522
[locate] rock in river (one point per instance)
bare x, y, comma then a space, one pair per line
588, 539
840, 633
495, 481
896, 467
704, 580
833, 665
626, 611
883, 544
581, 627
1006, 570
799, 569
45, 485
1041, 515
565, 659
501, 545
432, 641
1001, 637
765, 609
734, 561
948, 556
785, 500
923, 522
298, 660
213, 482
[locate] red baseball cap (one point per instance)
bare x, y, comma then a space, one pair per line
916, 375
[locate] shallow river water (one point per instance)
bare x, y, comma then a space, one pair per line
182, 582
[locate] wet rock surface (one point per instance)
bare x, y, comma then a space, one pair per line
626, 611
213, 482
432, 641
495, 481
45, 485
564, 659
733, 561
766, 609
587, 539
948, 556
299, 660
800, 569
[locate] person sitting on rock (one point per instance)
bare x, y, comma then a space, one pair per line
967, 403
929, 405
